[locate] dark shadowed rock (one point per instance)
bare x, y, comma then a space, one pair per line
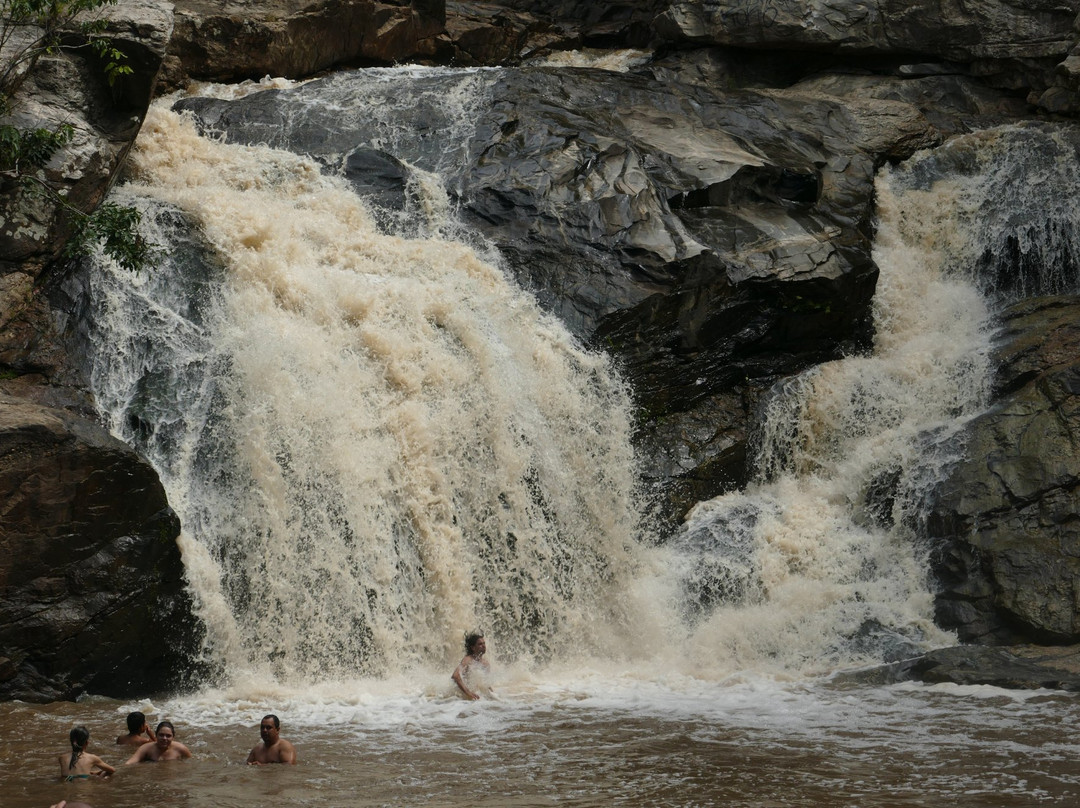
91, 583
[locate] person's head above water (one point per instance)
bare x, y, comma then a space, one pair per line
135, 722
475, 644
269, 729
165, 733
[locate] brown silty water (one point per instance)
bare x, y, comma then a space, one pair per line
619, 741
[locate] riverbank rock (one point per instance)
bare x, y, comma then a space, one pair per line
250, 39
92, 593
68, 88
1004, 525
1017, 667
91, 583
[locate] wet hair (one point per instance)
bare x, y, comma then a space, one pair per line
135, 722
274, 718
471, 639
79, 737
165, 724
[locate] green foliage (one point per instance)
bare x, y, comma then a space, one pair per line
116, 228
29, 29
28, 150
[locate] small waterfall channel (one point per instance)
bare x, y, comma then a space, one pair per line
375, 441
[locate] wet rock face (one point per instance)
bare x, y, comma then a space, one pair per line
708, 240
92, 594
958, 32
69, 88
1005, 525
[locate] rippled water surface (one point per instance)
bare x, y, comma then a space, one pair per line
600, 741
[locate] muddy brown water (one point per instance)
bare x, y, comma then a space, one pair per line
593, 743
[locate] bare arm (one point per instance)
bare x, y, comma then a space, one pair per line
288, 753
105, 768
140, 754
459, 679
183, 750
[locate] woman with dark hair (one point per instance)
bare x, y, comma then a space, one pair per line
163, 747
82, 765
473, 665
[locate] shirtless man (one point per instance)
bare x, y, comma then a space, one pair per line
471, 664
162, 748
138, 733
272, 748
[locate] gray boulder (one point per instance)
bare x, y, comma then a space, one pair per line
1005, 525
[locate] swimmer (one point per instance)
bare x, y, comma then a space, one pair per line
81, 765
138, 733
162, 748
473, 663
272, 748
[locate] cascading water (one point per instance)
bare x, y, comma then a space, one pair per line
376, 442
818, 564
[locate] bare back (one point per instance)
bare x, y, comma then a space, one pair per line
86, 766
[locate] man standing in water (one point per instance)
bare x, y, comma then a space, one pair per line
272, 748
163, 748
473, 666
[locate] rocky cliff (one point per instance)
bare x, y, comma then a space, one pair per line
716, 202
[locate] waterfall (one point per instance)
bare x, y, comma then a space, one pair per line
376, 442
819, 564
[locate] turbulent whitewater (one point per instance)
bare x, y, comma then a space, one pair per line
374, 443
